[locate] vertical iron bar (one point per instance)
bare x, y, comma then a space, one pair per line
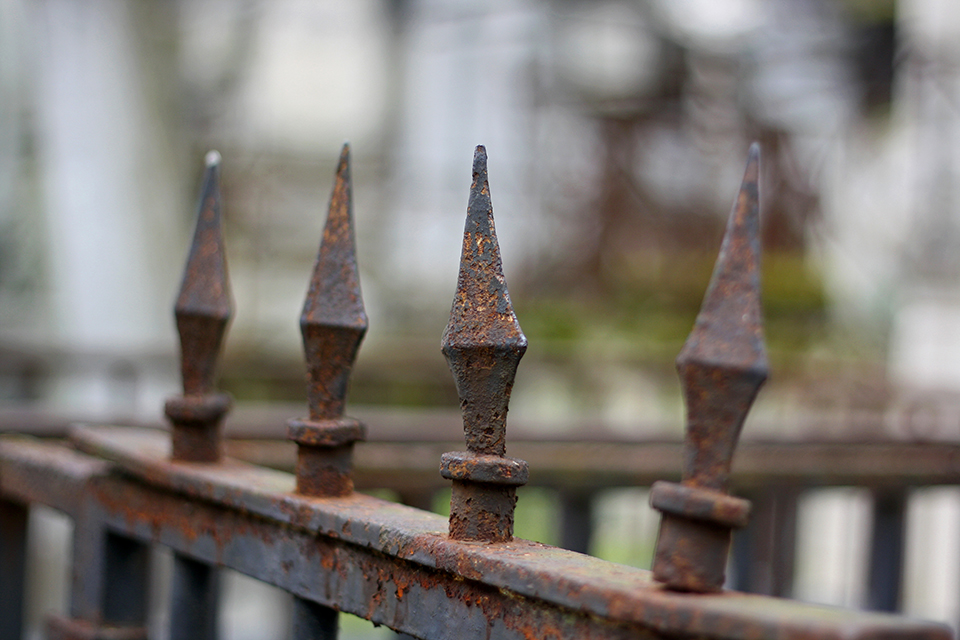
194, 600
886, 550
576, 520
89, 551
722, 366
126, 581
333, 323
785, 542
483, 345
202, 312
419, 499
111, 578
312, 621
13, 553
764, 552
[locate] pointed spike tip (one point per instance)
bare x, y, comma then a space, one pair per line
752, 172
483, 342
729, 328
203, 307
333, 321
342, 189
334, 297
482, 312
213, 159
724, 361
479, 206
480, 159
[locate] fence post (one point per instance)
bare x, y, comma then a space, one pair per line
194, 600
312, 621
764, 552
576, 519
13, 553
483, 344
885, 578
333, 323
203, 311
111, 578
722, 366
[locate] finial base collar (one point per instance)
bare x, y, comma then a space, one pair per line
325, 454
334, 432
695, 533
481, 467
197, 422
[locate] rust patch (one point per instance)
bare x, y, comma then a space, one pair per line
324, 471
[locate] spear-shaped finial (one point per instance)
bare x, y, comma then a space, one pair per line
202, 311
483, 345
721, 366
333, 323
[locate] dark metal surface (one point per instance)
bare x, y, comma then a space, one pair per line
126, 581
194, 599
390, 563
483, 345
576, 520
203, 310
764, 552
411, 466
887, 550
333, 324
402, 451
312, 621
108, 598
721, 366
13, 555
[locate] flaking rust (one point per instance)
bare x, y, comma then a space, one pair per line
346, 553
333, 324
483, 345
722, 366
202, 312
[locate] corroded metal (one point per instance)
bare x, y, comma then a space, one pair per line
63, 628
203, 310
333, 324
13, 566
483, 345
721, 366
393, 564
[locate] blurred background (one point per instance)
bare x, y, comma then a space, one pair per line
617, 133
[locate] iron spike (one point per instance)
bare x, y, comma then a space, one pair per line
203, 307
483, 342
724, 361
333, 321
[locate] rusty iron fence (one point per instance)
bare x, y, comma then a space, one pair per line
335, 549
575, 471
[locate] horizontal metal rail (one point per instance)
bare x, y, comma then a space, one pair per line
402, 450
411, 466
387, 562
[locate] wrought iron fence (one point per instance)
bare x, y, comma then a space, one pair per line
335, 549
